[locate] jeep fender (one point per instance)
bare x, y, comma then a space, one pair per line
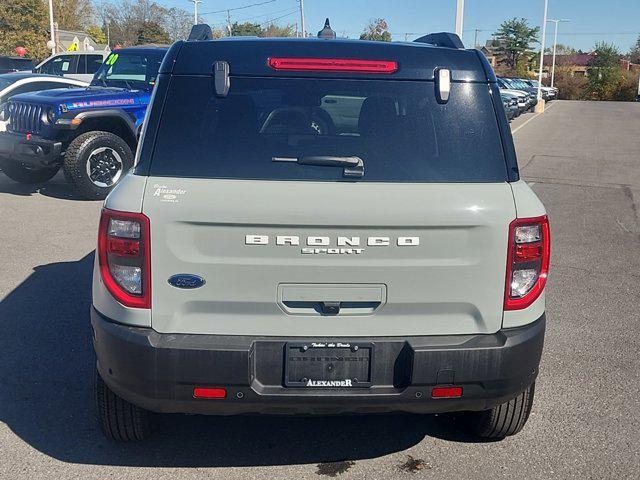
107, 113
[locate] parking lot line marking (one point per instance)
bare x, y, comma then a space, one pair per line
535, 116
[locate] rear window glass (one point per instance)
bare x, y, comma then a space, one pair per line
397, 128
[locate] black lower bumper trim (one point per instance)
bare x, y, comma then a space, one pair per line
159, 371
33, 152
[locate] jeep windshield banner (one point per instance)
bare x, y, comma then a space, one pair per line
315, 129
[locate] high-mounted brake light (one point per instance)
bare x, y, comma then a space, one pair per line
333, 65
124, 257
527, 261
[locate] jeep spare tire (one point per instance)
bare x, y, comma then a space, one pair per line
95, 162
21, 174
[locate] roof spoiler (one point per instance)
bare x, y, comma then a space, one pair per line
442, 39
201, 31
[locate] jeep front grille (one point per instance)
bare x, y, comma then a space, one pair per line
25, 117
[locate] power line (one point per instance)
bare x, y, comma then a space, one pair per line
600, 33
278, 18
239, 8
246, 19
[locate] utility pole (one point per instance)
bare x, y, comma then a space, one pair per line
555, 42
52, 28
459, 17
302, 18
229, 22
540, 105
475, 37
195, 10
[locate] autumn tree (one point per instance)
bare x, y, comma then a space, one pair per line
177, 23
97, 34
24, 23
152, 32
514, 40
73, 14
132, 21
376, 29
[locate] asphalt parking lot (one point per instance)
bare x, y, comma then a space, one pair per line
583, 160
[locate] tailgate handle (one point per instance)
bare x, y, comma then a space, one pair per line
331, 299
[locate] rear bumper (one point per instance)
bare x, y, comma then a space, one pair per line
34, 153
159, 371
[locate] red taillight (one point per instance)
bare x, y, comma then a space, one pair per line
446, 392
333, 65
527, 261
123, 247
124, 257
208, 392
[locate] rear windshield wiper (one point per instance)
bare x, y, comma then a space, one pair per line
353, 166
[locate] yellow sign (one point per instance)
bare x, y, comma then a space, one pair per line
73, 47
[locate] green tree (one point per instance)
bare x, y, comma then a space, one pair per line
561, 49
23, 23
634, 53
152, 32
604, 73
246, 29
514, 38
377, 30
97, 34
273, 30
73, 14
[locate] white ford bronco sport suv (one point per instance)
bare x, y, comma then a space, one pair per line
321, 227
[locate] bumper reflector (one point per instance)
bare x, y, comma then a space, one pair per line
206, 392
446, 392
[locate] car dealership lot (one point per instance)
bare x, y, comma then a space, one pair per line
583, 160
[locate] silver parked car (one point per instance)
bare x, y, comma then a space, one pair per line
321, 227
77, 65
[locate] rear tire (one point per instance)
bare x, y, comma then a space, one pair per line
120, 420
22, 174
505, 419
95, 162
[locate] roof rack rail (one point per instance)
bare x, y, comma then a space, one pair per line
201, 31
442, 39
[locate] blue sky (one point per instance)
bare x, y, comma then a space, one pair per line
615, 21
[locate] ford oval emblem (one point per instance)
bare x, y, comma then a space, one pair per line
186, 280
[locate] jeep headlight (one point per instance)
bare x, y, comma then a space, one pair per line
49, 116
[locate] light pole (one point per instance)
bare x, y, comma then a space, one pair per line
555, 42
195, 10
540, 104
459, 17
302, 18
53, 35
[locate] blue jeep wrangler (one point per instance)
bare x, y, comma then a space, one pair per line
91, 133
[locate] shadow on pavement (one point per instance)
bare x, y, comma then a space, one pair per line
57, 187
46, 398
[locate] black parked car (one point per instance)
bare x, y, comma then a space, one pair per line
15, 64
